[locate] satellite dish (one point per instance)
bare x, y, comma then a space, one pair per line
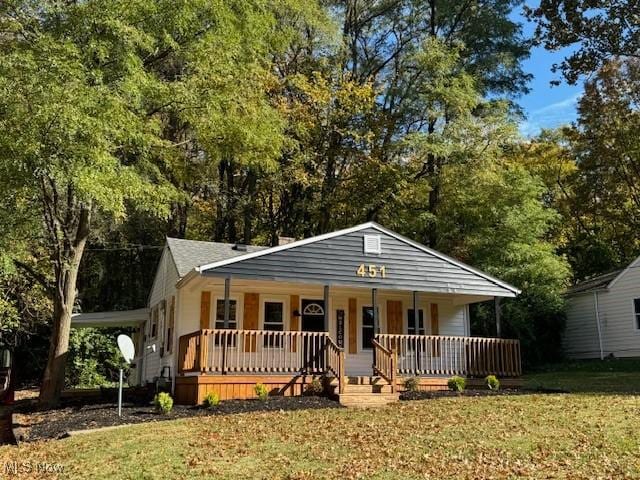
126, 347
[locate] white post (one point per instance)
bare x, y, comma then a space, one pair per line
120, 396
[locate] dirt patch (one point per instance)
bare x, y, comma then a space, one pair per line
52, 424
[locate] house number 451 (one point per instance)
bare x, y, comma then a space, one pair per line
371, 271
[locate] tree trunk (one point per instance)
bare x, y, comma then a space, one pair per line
66, 273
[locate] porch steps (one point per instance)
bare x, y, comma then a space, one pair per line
364, 392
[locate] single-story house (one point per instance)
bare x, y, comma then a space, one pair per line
603, 315
364, 306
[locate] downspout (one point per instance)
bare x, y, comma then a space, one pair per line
595, 301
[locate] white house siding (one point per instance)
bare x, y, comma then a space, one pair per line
620, 335
453, 319
581, 333
164, 287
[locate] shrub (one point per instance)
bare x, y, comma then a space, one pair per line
492, 382
163, 402
457, 384
411, 384
261, 392
211, 400
315, 387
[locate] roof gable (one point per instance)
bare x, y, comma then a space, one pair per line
335, 258
599, 282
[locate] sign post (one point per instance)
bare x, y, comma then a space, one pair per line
128, 350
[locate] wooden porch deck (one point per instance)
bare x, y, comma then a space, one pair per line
231, 362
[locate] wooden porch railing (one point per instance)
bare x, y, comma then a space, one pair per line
385, 363
335, 362
259, 351
447, 355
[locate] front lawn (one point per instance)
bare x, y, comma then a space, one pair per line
589, 376
532, 435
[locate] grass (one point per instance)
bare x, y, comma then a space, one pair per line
578, 435
589, 376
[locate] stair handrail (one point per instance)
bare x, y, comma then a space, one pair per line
385, 363
335, 362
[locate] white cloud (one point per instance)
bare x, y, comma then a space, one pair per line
551, 116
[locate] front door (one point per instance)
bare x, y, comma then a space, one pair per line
312, 315
313, 321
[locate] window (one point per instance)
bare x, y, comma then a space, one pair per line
154, 321
411, 325
368, 332
636, 310
171, 324
220, 314
273, 321
372, 244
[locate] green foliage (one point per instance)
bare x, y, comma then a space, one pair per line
315, 387
593, 33
261, 392
211, 400
163, 403
411, 384
94, 358
492, 382
456, 384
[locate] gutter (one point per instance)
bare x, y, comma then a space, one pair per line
595, 301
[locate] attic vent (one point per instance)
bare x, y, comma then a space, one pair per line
240, 247
372, 244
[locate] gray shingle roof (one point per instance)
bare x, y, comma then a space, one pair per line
188, 254
595, 283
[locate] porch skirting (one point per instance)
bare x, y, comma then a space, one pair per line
191, 390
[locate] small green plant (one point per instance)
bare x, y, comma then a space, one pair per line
211, 400
261, 392
492, 382
315, 387
456, 383
411, 384
163, 402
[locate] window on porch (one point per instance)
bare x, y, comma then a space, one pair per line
368, 328
411, 329
219, 321
233, 325
273, 321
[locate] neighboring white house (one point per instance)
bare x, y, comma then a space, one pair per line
603, 315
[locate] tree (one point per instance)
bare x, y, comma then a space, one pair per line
87, 93
601, 30
605, 145
494, 216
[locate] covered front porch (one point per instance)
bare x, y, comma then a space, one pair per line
230, 362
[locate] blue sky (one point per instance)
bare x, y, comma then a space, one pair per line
545, 106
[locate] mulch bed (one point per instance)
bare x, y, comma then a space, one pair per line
467, 393
51, 424
73, 415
